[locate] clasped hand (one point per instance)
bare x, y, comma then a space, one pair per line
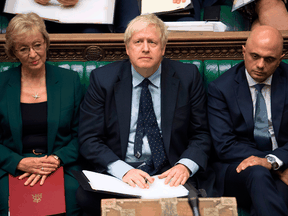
177, 175
37, 168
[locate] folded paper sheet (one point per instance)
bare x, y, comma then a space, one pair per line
157, 189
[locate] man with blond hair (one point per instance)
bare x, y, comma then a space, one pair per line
145, 116
248, 118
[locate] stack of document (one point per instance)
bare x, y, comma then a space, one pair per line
105, 183
196, 26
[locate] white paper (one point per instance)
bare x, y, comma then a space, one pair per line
156, 190
196, 26
155, 6
85, 11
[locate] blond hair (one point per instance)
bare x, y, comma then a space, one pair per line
141, 22
23, 24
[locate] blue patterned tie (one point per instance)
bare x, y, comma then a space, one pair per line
147, 125
261, 133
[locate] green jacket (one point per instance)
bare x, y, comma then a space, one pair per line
64, 94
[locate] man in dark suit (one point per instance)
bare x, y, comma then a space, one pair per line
249, 126
112, 137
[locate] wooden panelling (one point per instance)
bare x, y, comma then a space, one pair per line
110, 47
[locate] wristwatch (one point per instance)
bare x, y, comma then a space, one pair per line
273, 162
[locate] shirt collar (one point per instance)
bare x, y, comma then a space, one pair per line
252, 82
138, 78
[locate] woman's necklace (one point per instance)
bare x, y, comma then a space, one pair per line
36, 93
36, 96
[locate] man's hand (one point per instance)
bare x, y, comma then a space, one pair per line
42, 2
283, 175
178, 174
33, 178
178, 1
68, 2
38, 165
137, 177
253, 161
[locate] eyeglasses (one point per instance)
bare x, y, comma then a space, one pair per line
37, 47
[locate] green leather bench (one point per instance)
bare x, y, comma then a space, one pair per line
84, 68
209, 69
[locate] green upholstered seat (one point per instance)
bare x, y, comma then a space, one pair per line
214, 68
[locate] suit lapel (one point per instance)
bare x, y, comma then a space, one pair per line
53, 103
13, 104
123, 97
169, 94
244, 98
277, 99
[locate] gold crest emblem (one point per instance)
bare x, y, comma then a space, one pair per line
37, 197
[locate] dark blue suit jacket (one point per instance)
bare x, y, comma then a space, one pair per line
230, 114
106, 112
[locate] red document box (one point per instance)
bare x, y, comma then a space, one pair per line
47, 199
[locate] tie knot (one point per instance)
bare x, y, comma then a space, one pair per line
259, 87
145, 82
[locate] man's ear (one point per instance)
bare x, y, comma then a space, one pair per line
243, 49
163, 50
126, 47
282, 56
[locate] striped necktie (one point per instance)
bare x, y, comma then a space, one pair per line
261, 134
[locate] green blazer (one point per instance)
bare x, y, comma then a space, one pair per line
64, 94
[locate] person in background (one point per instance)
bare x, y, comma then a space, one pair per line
144, 116
39, 109
272, 13
248, 118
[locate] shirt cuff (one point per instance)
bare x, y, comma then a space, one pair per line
278, 161
191, 165
118, 169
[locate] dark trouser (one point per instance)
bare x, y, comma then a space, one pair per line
90, 201
257, 189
